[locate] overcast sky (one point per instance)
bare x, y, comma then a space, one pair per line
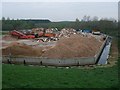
59, 11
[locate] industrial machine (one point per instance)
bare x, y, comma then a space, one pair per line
21, 35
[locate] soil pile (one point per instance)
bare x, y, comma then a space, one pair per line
75, 46
22, 50
9, 38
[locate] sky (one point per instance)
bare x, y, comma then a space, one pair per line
59, 11
60, 0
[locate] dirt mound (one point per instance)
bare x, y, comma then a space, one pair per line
5, 44
75, 46
9, 38
22, 50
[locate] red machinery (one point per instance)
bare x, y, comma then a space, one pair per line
46, 34
21, 35
49, 35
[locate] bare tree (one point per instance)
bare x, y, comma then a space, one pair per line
3, 18
86, 18
8, 18
112, 19
77, 20
95, 18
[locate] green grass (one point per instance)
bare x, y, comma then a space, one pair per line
0, 75
4, 32
19, 76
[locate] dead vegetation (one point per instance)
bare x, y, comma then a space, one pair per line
113, 53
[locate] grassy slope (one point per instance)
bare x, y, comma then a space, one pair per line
19, 76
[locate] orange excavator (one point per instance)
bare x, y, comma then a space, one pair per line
21, 35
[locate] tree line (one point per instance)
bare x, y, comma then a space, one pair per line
108, 26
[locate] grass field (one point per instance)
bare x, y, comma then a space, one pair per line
19, 76
0, 75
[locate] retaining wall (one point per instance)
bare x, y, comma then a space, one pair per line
48, 61
97, 56
54, 62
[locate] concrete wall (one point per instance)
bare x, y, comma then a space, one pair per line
54, 62
48, 61
97, 56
